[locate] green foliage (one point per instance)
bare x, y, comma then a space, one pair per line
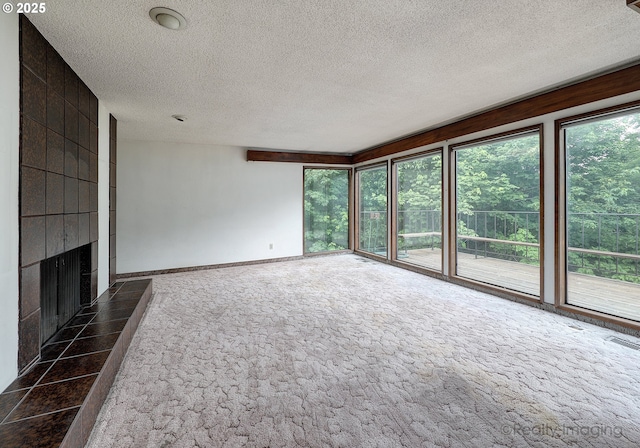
326, 210
603, 166
420, 183
419, 201
504, 176
373, 209
603, 200
498, 196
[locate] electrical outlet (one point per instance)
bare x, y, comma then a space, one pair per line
270, 246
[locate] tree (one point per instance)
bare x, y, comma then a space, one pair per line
326, 209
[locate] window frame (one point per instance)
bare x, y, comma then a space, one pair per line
349, 248
560, 227
453, 207
394, 211
356, 225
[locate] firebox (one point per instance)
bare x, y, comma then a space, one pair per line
65, 285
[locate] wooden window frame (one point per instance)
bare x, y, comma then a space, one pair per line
453, 206
349, 248
356, 223
560, 212
393, 254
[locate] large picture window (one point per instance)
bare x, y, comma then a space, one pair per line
372, 210
602, 256
419, 210
497, 212
326, 209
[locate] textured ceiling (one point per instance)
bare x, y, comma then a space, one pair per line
328, 75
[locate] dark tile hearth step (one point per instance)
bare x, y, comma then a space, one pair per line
56, 403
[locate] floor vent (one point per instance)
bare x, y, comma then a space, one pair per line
626, 343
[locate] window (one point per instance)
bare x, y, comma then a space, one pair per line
419, 211
372, 210
602, 224
326, 209
497, 212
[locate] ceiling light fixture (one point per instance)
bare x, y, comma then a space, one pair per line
180, 118
168, 18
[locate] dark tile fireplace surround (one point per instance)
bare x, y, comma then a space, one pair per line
70, 342
58, 177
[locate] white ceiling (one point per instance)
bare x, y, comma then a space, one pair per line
328, 75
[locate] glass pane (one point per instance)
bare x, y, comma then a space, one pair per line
498, 213
326, 210
603, 215
420, 211
373, 210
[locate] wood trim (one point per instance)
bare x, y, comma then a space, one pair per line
493, 289
559, 251
419, 269
600, 113
209, 266
304, 192
392, 201
443, 246
356, 209
601, 87
417, 155
390, 244
627, 323
453, 220
495, 138
371, 166
634, 4
350, 211
327, 253
298, 157
376, 257
541, 215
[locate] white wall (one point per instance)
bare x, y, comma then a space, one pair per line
9, 159
183, 205
103, 198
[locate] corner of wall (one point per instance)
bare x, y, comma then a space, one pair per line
9, 161
103, 197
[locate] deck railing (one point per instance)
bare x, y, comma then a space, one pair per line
601, 244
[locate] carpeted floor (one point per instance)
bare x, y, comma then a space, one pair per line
342, 351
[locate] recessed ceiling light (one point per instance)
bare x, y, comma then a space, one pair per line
180, 118
168, 18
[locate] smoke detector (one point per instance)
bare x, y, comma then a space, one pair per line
168, 18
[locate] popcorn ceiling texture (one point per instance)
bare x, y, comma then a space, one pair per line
328, 75
346, 352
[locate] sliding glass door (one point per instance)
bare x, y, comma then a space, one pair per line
497, 212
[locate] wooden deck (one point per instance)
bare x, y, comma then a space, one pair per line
595, 293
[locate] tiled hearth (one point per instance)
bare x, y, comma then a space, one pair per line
57, 401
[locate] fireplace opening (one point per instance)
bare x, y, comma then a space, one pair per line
65, 284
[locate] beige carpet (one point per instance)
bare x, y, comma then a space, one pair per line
345, 352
